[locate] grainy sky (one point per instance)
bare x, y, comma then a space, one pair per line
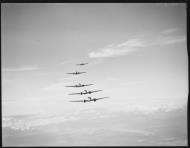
136, 53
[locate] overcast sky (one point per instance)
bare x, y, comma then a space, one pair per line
136, 52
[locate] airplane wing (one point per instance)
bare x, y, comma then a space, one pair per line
81, 72
77, 101
82, 64
70, 86
75, 94
101, 98
96, 91
70, 73
88, 84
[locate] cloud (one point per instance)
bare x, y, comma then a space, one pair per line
117, 50
168, 40
28, 122
168, 31
19, 69
165, 37
136, 131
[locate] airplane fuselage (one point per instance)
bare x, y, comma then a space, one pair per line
77, 73
86, 101
90, 100
82, 64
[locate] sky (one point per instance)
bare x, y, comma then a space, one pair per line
136, 53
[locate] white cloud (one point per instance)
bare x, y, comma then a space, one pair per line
76, 113
117, 50
31, 121
19, 69
170, 40
168, 31
163, 38
136, 131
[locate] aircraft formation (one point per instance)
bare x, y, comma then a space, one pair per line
89, 99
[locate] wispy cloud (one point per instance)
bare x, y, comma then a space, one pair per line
135, 131
19, 69
171, 40
25, 123
168, 31
117, 50
165, 37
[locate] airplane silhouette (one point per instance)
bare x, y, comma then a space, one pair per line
81, 64
76, 73
89, 99
85, 92
80, 85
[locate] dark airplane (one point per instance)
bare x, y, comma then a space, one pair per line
85, 92
81, 101
76, 73
80, 85
95, 99
90, 99
81, 64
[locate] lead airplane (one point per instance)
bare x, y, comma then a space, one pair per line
81, 64
80, 85
89, 99
85, 92
76, 73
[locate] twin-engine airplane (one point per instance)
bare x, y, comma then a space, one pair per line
80, 85
81, 64
76, 73
89, 99
85, 92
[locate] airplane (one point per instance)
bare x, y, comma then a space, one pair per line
80, 85
95, 99
76, 73
85, 92
90, 99
81, 64
81, 101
